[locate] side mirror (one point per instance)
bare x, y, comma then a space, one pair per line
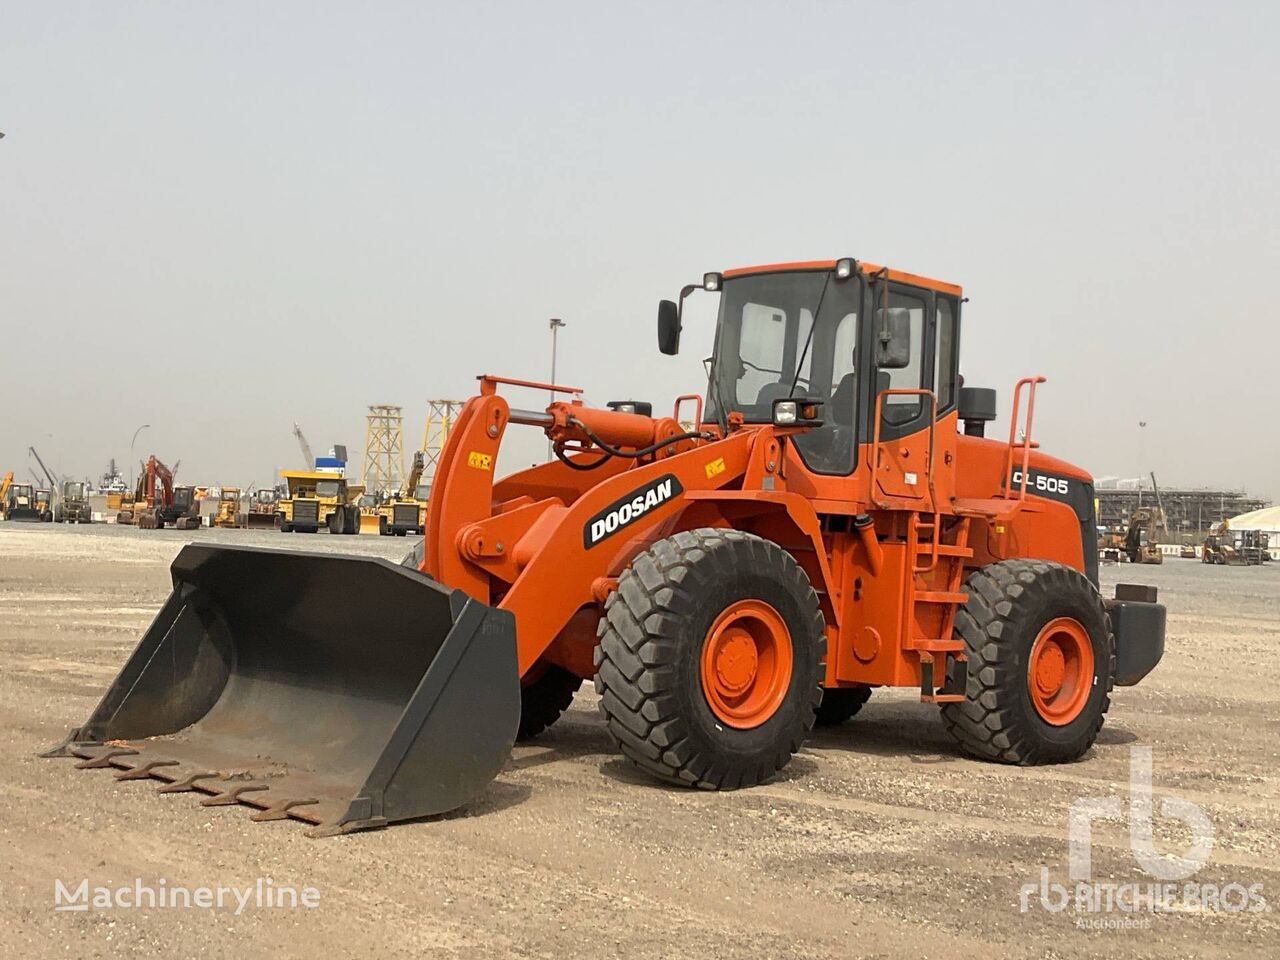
893, 338
668, 327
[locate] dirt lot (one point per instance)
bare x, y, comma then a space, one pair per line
879, 840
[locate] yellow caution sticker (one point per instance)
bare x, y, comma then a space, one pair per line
481, 461
715, 467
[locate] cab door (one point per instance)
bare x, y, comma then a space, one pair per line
902, 405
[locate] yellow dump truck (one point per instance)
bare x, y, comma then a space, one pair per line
318, 499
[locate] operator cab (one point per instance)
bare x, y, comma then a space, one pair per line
836, 332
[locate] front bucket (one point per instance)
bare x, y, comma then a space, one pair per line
346, 692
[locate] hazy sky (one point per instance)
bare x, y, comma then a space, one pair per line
221, 218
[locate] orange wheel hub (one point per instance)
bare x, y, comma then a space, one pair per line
1060, 671
746, 664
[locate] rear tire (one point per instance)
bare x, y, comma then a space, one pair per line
545, 699
1013, 712
711, 658
840, 704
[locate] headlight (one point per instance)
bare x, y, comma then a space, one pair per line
844, 268
711, 281
798, 412
642, 407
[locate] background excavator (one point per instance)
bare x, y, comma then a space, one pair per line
157, 502
823, 527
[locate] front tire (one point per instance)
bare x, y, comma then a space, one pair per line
543, 700
1041, 663
711, 658
840, 704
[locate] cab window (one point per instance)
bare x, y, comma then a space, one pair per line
899, 409
944, 353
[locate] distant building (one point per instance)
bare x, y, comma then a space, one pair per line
1189, 512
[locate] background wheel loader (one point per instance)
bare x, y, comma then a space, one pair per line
405, 511
825, 527
20, 503
1235, 548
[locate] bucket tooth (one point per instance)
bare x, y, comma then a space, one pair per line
143, 771
280, 809
231, 797
188, 784
104, 759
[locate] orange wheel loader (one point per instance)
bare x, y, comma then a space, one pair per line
833, 520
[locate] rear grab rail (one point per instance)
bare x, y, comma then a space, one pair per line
1027, 444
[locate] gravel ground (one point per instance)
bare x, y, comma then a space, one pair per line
879, 840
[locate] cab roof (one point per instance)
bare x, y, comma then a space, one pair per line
310, 475
915, 280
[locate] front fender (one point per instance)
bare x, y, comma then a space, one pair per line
607, 525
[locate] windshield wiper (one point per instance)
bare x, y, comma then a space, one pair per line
809, 339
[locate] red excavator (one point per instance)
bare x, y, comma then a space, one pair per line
157, 502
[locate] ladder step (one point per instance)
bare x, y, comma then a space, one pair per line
943, 698
951, 550
940, 596
931, 645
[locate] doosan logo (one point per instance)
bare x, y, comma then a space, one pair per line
629, 509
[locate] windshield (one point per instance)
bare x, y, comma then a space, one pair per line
422, 491
327, 488
75, 490
768, 347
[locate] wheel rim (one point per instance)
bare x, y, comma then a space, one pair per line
1060, 671
746, 664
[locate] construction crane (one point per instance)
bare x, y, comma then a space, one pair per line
1164, 517
53, 483
309, 460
